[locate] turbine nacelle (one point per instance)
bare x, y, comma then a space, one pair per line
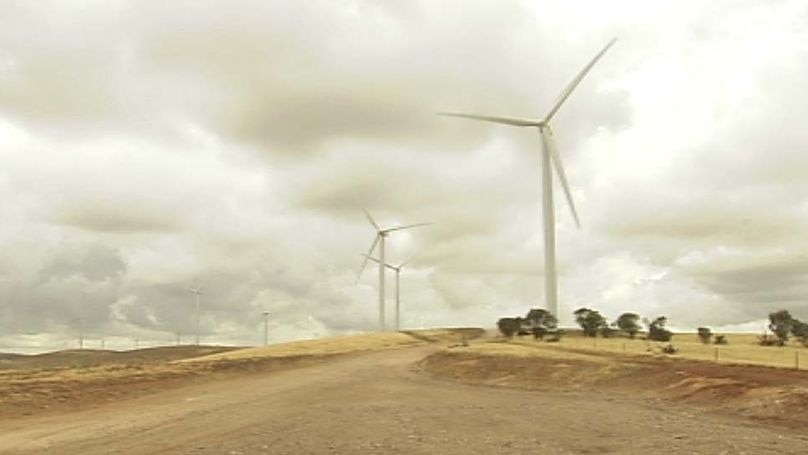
380, 234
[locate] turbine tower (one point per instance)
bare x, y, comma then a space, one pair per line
266, 328
550, 157
381, 235
196, 291
397, 269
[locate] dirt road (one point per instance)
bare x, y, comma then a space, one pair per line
376, 403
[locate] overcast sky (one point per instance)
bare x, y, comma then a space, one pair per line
148, 146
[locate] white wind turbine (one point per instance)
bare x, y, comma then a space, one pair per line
381, 235
550, 157
397, 269
198, 292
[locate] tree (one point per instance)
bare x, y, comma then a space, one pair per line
541, 322
781, 324
509, 326
629, 323
705, 334
541, 317
657, 330
524, 326
590, 321
800, 331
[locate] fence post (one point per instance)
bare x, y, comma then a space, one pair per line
716, 354
797, 360
624, 347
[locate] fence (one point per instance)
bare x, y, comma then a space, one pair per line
741, 349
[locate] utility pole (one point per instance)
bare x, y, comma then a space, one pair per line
266, 328
197, 292
81, 334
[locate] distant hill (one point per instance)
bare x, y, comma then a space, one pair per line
95, 357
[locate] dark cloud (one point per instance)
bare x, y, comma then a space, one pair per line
93, 262
116, 219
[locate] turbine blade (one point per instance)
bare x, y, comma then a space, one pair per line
370, 218
377, 261
409, 226
488, 118
574, 83
370, 257
367, 256
401, 266
549, 142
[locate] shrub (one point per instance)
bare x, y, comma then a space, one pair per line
539, 333
770, 340
508, 327
607, 332
555, 336
720, 339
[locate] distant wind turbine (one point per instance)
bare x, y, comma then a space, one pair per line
550, 157
196, 291
381, 235
397, 269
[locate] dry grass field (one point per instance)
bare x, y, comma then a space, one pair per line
48, 382
343, 344
742, 348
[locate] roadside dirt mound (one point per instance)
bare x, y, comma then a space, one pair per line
762, 393
529, 373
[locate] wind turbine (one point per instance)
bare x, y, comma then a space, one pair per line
381, 235
397, 269
196, 291
550, 157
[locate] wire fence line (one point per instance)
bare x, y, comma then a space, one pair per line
742, 351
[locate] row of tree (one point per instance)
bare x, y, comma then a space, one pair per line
538, 322
593, 324
541, 323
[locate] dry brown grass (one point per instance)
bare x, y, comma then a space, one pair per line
345, 344
742, 349
26, 390
320, 347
